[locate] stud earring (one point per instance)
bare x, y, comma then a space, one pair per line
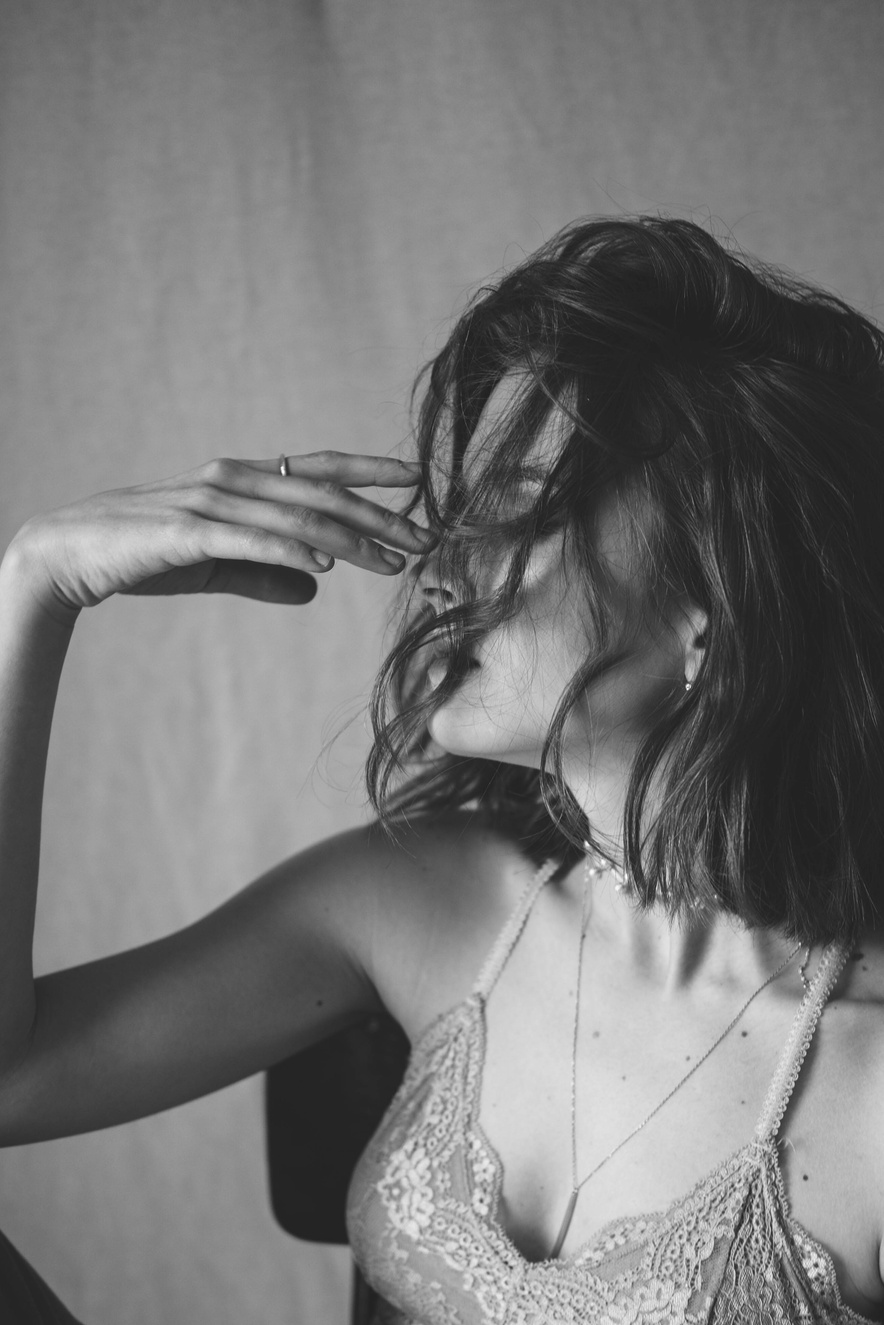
687, 685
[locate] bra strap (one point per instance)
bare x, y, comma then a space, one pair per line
512, 929
792, 1058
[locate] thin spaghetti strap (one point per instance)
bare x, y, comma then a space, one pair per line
796, 1047
512, 928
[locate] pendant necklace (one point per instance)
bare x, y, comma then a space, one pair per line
595, 866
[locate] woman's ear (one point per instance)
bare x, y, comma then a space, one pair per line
693, 628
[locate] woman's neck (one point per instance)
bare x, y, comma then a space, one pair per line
674, 956
709, 949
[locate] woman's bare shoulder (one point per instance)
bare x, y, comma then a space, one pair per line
855, 1028
442, 887
448, 849
448, 867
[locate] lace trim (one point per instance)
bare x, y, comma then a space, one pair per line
634, 1231
819, 1267
439, 1182
476, 1036
512, 930
794, 1053
613, 1230
815, 1259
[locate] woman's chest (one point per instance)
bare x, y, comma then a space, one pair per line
431, 1231
651, 1103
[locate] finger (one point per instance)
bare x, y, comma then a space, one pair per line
215, 540
340, 504
264, 584
317, 529
329, 495
236, 479
356, 471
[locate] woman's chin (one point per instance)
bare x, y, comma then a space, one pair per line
460, 734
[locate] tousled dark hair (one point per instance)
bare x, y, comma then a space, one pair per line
738, 414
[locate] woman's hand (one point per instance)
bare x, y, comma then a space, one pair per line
231, 526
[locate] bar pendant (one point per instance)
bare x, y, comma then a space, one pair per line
566, 1224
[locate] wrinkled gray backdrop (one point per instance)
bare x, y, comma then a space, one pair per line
237, 227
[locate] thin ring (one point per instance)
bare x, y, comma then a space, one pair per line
284, 466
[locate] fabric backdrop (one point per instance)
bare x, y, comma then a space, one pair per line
237, 227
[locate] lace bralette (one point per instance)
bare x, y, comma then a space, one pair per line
423, 1207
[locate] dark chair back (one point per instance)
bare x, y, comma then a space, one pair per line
322, 1106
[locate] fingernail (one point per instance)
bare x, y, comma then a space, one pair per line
322, 559
392, 558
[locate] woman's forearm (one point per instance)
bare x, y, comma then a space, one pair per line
33, 645
257, 528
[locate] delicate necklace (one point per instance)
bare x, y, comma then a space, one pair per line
594, 866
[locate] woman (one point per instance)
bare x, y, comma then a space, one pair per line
637, 699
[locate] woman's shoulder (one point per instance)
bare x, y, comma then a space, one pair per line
436, 873
444, 886
859, 994
854, 1028
848, 1069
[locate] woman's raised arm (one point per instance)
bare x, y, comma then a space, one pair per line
281, 963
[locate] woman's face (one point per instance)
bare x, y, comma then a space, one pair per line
503, 708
